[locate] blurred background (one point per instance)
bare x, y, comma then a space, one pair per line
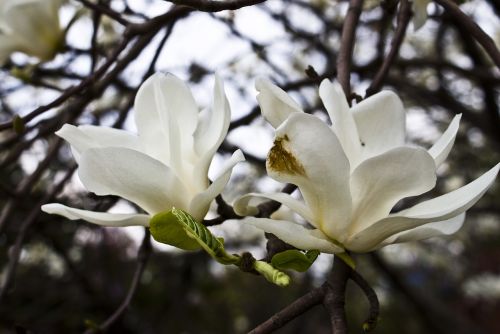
71, 275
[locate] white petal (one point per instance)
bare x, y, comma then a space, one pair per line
99, 218
201, 203
444, 227
378, 183
210, 133
166, 116
440, 208
83, 137
132, 175
35, 24
440, 150
380, 120
245, 206
342, 119
295, 234
307, 153
275, 104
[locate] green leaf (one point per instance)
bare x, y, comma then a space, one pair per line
166, 228
178, 228
294, 259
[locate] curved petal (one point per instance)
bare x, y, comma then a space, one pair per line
343, 124
380, 120
442, 147
378, 183
440, 208
210, 133
295, 234
83, 137
35, 24
163, 106
132, 175
444, 227
201, 203
99, 218
243, 206
275, 104
307, 153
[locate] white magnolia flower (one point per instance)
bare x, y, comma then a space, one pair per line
30, 26
352, 174
164, 166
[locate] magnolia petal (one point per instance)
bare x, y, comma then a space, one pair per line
132, 175
243, 206
380, 120
275, 104
35, 25
166, 116
378, 183
444, 227
99, 218
440, 208
211, 132
83, 137
307, 153
7, 46
343, 124
419, 9
201, 203
441, 148
295, 234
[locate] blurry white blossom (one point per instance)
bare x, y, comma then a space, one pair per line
31, 27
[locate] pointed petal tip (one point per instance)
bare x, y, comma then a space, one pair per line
262, 83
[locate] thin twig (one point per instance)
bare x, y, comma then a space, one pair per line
292, 311
344, 59
216, 6
142, 259
15, 251
479, 35
370, 294
404, 16
100, 8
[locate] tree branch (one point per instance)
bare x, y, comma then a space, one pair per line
479, 35
292, 311
404, 16
142, 259
334, 301
215, 6
344, 59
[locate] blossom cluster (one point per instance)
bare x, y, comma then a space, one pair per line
350, 174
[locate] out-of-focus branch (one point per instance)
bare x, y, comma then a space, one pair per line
292, 311
344, 59
102, 9
371, 320
479, 35
142, 259
404, 16
15, 251
216, 6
